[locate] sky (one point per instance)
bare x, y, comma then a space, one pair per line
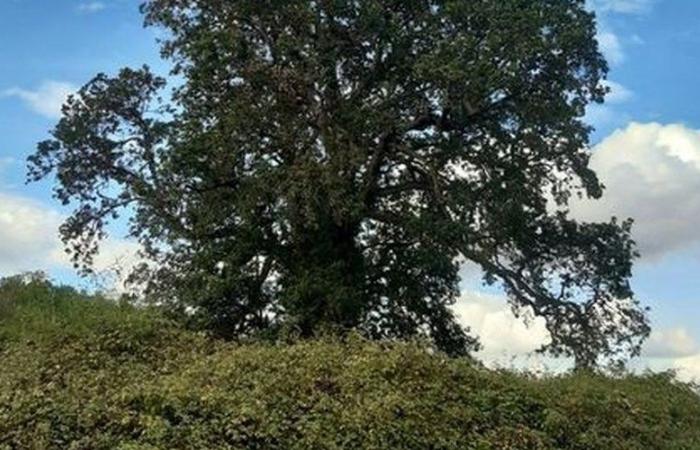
646, 150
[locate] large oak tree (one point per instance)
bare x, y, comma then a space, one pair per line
331, 163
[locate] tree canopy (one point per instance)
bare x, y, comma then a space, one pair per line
332, 163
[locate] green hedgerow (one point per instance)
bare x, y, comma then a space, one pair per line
80, 372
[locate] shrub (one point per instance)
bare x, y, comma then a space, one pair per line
84, 373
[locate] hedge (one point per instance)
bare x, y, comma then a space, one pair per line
84, 373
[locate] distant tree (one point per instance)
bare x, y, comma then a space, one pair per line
332, 162
30, 287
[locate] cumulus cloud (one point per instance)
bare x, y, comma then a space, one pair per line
113, 264
28, 234
622, 6
670, 343
688, 368
29, 241
6, 161
618, 93
502, 334
46, 100
91, 7
652, 174
608, 41
675, 349
603, 116
511, 342
607, 115
611, 47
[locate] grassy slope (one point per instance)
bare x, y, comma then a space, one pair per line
79, 373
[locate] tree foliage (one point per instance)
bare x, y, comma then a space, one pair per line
332, 162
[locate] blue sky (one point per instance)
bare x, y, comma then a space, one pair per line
646, 144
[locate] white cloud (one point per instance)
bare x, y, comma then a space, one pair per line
652, 174
46, 100
29, 241
637, 39
115, 261
112, 264
671, 349
622, 6
670, 343
91, 7
6, 161
501, 333
688, 368
618, 93
510, 343
28, 234
602, 116
609, 42
607, 115
611, 47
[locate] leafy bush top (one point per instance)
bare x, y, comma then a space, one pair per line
83, 373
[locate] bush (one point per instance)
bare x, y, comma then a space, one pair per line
79, 372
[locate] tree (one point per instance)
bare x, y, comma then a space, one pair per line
332, 162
